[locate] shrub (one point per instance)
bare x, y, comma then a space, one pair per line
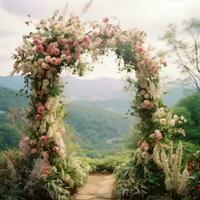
171, 164
109, 164
135, 181
194, 184
9, 166
59, 185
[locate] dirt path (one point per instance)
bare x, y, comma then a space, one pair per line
97, 187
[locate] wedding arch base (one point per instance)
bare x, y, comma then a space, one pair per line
58, 45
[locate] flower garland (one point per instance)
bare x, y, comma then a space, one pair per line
59, 44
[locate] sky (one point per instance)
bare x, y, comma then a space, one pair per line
151, 16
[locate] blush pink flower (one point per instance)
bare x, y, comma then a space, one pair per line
44, 66
56, 51
39, 48
86, 39
153, 68
45, 171
68, 53
140, 49
38, 117
33, 151
43, 138
105, 20
68, 58
144, 146
40, 109
55, 61
158, 135
45, 154
36, 41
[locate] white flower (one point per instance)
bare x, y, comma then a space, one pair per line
163, 121
50, 132
175, 117
45, 82
172, 122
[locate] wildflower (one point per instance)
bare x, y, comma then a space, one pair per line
105, 20
45, 154
144, 146
68, 58
43, 138
36, 41
55, 61
163, 121
39, 48
56, 51
44, 66
38, 117
40, 109
158, 135
33, 151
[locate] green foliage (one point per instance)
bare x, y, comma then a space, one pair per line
59, 186
110, 164
9, 137
56, 190
135, 181
194, 184
189, 149
9, 164
189, 107
9, 99
98, 130
128, 187
92, 127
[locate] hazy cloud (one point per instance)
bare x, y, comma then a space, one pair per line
151, 16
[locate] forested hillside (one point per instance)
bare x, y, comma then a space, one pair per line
95, 128
189, 107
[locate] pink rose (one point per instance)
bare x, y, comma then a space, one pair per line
40, 109
44, 66
33, 151
56, 149
36, 41
144, 146
158, 135
45, 171
45, 154
140, 49
56, 51
86, 39
43, 138
153, 68
68, 58
39, 48
105, 20
55, 61
68, 53
38, 117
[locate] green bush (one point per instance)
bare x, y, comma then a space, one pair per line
194, 184
9, 168
109, 164
137, 182
59, 185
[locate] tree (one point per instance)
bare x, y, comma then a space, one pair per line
184, 45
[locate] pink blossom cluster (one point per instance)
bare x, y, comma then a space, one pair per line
143, 145
40, 110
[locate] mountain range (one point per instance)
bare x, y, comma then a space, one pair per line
102, 91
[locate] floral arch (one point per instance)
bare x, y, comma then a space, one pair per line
59, 44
